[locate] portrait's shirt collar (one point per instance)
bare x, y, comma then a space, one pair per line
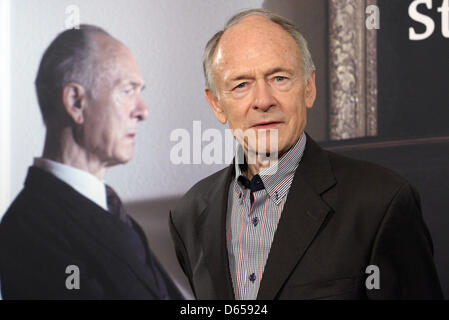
278, 177
85, 183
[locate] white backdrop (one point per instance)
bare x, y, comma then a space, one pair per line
5, 156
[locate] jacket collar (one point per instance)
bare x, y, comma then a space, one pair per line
278, 177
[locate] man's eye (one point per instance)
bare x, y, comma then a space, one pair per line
241, 85
280, 78
129, 91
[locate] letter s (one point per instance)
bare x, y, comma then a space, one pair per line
415, 15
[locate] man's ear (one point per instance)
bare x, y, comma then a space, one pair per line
74, 101
310, 89
215, 105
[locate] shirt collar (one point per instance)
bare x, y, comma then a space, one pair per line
85, 183
277, 178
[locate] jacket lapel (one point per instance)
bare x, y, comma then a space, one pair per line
117, 237
302, 217
212, 234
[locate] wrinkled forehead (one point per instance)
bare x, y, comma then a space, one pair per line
254, 39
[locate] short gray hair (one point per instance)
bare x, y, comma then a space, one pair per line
306, 58
68, 59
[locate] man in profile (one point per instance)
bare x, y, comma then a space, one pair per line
67, 234
310, 225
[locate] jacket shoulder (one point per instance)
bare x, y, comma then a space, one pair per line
356, 171
367, 184
30, 216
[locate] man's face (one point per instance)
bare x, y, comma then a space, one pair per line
115, 106
259, 82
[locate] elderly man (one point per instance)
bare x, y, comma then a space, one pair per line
67, 234
313, 225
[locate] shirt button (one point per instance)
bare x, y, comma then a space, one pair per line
252, 277
255, 221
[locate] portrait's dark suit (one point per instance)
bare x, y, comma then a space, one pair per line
341, 216
50, 226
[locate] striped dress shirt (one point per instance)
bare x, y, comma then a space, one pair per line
254, 210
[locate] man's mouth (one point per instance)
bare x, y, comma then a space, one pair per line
267, 125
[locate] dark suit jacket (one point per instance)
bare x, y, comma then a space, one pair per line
50, 226
341, 215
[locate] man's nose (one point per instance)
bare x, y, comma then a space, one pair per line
141, 110
263, 98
